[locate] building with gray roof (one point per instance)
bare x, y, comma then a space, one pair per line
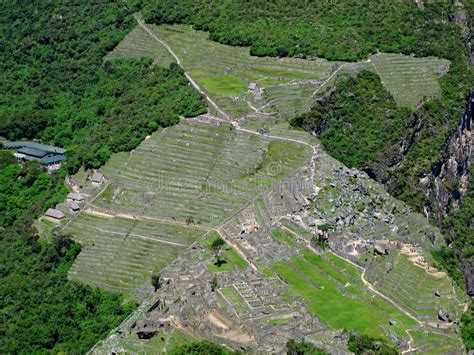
49, 156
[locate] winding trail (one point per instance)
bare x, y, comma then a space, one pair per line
178, 61
337, 70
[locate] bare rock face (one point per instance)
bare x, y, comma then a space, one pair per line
467, 266
443, 315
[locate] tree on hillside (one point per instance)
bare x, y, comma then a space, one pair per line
216, 247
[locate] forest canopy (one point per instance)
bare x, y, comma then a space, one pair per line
56, 86
335, 30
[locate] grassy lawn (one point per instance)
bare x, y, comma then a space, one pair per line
279, 321
230, 256
224, 266
231, 294
287, 74
437, 343
223, 85
285, 236
334, 307
296, 228
279, 153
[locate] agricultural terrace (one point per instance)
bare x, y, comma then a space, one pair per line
413, 288
120, 254
289, 83
225, 72
196, 173
139, 44
167, 193
410, 79
432, 343
336, 295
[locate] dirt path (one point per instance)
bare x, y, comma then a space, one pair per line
144, 218
85, 207
142, 237
336, 71
178, 61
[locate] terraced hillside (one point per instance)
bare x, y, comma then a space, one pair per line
285, 86
120, 254
196, 173
225, 72
139, 44
167, 193
413, 288
410, 79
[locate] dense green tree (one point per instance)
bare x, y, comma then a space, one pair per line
40, 310
200, 348
302, 348
364, 344
467, 330
357, 121
56, 86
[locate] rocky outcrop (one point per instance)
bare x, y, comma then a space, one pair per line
448, 181
461, 18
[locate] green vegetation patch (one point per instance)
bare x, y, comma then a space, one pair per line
196, 173
358, 121
139, 44
285, 236
41, 311
410, 79
223, 85
414, 289
235, 299
339, 300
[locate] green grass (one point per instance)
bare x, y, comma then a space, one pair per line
234, 258
139, 44
195, 170
120, 254
285, 236
230, 256
409, 79
231, 260
353, 307
287, 74
280, 321
431, 343
411, 287
296, 228
223, 85
237, 301
224, 266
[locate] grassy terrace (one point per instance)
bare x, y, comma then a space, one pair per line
232, 296
335, 294
430, 343
411, 287
190, 173
139, 44
225, 72
289, 83
410, 79
285, 236
196, 171
120, 254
